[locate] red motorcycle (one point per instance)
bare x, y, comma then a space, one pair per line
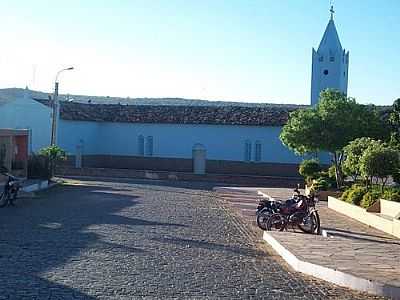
300, 213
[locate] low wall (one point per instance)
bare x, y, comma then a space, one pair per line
185, 165
245, 180
384, 223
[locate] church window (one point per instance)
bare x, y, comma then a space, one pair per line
247, 151
141, 145
332, 59
257, 154
149, 146
344, 74
321, 58
326, 72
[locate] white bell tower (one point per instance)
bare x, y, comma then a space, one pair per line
330, 64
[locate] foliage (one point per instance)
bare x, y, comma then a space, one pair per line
38, 167
392, 195
370, 198
332, 172
320, 184
353, 152
356, 194
394, 120
330, 126
359, 195
396, 176
345, 195
309, 168
54, 155
380, 162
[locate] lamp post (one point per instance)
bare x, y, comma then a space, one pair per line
56, 108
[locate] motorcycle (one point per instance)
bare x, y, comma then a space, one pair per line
11, 188
301, 214
267, 207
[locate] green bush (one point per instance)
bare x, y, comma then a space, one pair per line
370, 198
356, 194
345, 195
392, 195
309, 169
320, 184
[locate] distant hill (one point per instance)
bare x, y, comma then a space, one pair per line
18, 92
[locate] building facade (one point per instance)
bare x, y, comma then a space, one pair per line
20, 111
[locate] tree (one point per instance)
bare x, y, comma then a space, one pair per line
394, 120
379, 161
353, 153
309, 168
54, 155
330, 126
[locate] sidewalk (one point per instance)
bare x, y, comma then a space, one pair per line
352, 255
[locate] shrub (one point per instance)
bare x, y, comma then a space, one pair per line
392, 195
345, 195
54, 155
370, 198
309, 169
320, 184
356, 194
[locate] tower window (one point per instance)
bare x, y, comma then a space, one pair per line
326, 72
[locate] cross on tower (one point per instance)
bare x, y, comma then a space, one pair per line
332, 11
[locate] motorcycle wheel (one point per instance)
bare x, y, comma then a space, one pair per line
313, 224
13, 198
262, 219
3, 199
276, 222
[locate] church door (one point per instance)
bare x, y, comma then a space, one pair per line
199, 159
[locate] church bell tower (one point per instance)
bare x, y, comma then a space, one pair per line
330, 63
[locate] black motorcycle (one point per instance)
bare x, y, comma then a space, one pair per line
268, 207
11, 188
301, 214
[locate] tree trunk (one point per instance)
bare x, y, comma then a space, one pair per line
338, 173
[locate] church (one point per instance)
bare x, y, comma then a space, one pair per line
219, 139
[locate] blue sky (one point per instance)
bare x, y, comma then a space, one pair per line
249, 50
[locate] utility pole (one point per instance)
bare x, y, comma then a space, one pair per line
56, 109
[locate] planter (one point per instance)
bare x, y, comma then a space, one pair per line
381, 220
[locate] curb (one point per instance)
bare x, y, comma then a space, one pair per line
43, 185
332, 275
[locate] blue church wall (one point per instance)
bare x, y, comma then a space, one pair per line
74, 133
222, 142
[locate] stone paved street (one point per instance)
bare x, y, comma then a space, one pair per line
108, 240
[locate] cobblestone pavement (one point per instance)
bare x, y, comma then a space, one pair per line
108, 240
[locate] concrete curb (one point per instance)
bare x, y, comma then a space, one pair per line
42, 185
332, 275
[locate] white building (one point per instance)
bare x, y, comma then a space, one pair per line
19, 111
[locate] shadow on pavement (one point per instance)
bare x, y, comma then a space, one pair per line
43, 233
209, 246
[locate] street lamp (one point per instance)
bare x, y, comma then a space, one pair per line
56, 108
